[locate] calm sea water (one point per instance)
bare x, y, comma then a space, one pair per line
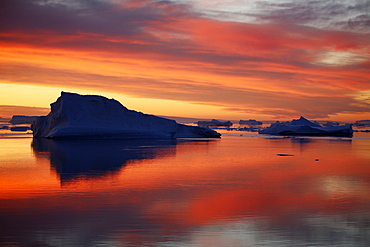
241, 190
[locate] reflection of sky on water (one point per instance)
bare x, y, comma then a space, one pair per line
230, 192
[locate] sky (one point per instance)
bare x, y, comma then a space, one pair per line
230, 60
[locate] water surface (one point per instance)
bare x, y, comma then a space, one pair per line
240, 190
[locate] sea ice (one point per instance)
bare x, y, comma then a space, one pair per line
75, 116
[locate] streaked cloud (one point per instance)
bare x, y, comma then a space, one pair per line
285, 58
10, 110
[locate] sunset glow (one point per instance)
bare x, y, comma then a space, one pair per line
229, 60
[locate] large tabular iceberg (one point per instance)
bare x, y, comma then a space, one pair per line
304, 127
75, 116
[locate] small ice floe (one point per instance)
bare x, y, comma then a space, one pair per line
285, 154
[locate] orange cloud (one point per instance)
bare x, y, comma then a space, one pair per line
173, 52
7, 111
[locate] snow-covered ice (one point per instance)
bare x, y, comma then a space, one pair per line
305, 127
75, 116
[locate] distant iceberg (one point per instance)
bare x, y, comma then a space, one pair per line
20, 128
214, 122
305, 127
362, 123
75, 116
250, 122
21, 119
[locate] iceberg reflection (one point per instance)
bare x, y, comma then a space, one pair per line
76, 159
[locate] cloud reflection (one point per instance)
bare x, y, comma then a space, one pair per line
233, 192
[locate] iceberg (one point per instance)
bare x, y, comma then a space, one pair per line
75, 116
250, 122
362, 123
22, 119
20, 128
214, 122
305, 127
